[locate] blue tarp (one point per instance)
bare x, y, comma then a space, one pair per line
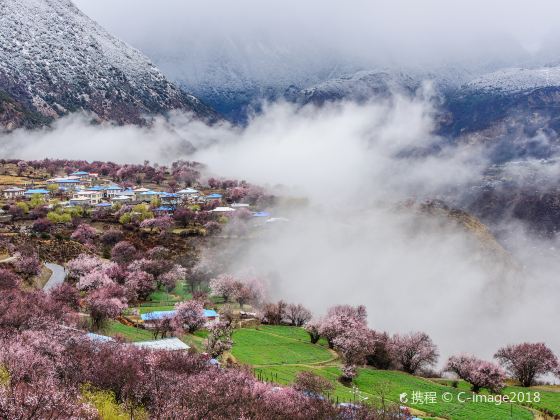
261, 214
151, 316
209, 313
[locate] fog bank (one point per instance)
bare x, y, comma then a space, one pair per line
358, 239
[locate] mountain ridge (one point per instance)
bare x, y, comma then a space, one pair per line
55, 60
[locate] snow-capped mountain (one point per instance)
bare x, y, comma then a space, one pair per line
516, 79
359, 86
55, 60
506, 101
233, 75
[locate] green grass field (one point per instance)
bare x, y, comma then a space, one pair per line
114, 328
550, 398
162, 298
277, 345
148, 308
549, 395
196, 340
278, 353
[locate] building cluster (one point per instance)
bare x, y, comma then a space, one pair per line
87, 189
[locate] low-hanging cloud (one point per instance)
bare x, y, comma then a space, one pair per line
279, 42
358, 239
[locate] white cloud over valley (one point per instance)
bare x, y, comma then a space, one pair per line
356, 240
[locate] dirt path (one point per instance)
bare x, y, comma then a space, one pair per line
57, 277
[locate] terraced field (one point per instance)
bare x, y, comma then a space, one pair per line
278, 353
277, 345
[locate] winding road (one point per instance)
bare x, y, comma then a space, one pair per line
57, 277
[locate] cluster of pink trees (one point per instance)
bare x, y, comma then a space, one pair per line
161, 223
9, 280
524, 362
48, 364
106, 299
345, 329
284, 313
84, 233
130, 276
229, 288
27, 264
184, 172
105, 303
123, 253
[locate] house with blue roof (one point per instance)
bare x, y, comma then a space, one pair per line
80, 174
144, 194
170, 199
38, 191
66, 183
214, 196
96, 188
113, 191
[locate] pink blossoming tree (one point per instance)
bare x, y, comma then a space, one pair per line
479, 373
224, 286
412, 352
189, 316
527, 361
84, 233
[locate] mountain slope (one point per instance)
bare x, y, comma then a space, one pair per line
359, 86
513, 97
55, 60
509, 109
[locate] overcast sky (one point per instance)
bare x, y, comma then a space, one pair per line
383, 32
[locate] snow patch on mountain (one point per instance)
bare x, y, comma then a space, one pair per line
360, 86
519, 79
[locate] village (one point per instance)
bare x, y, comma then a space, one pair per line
89, 190
36, 207
123, 260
